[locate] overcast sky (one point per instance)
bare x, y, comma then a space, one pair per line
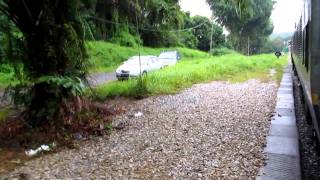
284, 15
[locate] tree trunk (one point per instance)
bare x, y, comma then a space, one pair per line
54, 45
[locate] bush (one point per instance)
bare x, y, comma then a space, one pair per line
7, 75
220, 51
6, 68
123, 37
141, 89
188, 40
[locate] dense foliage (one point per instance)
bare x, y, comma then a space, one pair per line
154, 23
204, 33
248, 29
277, 43
128, 22
44, 41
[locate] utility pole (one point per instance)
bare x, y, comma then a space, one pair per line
137, 28
211, 40
248, 46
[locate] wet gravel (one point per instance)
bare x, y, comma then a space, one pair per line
210, 131
310, 156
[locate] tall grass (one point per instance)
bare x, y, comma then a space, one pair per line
5, 79
105, 57
232, 67
7, 75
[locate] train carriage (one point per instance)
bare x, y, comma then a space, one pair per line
305, 55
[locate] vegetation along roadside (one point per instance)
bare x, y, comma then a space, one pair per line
233, 67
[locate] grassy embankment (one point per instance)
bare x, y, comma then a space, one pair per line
232, 67
106, 57
195, 67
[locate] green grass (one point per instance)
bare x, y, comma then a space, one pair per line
7, 75
232, 67
6, 79
105, 57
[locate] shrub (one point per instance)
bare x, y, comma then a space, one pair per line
220, 51
140, 88
123, 37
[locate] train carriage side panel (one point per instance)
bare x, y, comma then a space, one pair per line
315, 63
305, 55
300, 53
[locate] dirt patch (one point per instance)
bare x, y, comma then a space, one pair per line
17, 136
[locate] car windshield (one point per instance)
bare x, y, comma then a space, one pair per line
168, 55
135, 60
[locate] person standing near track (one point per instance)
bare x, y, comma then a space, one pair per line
278, 54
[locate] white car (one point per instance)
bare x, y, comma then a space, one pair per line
169, 58
131, 67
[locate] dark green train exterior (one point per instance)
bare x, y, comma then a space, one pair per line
305, 55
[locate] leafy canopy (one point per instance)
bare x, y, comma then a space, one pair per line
249, 28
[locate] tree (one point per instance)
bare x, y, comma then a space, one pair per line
158, 18
52, 53
203, 33
249, 29
155, 18
276, 44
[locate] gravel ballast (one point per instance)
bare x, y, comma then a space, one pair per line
215, 130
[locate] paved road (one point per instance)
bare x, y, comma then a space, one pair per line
100, 78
